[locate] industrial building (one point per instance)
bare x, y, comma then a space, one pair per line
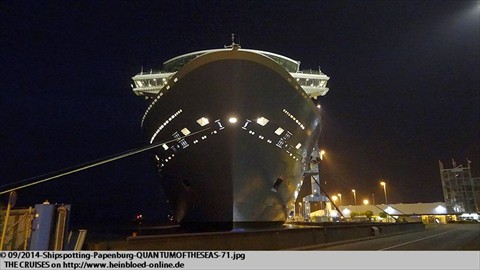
427, 213
461, 194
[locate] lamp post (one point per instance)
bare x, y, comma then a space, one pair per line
334, 199
355, 199
300, 212
340, 198
384, 190
365, 202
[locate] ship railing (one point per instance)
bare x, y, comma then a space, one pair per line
311, 71
314, 92
313, 82
150, 83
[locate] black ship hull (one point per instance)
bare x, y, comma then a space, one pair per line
231, 173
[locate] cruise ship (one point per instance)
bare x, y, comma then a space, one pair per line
235, 128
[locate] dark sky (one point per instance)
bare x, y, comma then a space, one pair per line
404, 90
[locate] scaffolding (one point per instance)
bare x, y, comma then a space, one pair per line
460, 190
318, 201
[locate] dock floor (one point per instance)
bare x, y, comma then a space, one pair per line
290, 236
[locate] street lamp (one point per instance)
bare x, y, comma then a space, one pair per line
354, 196
384, 190
340, 198
365, 202
334, 199
322, 153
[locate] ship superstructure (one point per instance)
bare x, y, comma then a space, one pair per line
151, 83
239, 126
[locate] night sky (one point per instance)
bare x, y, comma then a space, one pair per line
404, 91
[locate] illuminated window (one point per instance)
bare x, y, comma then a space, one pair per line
262, 121
279, 131
202, 121
185, 131
293, 118
164, 124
